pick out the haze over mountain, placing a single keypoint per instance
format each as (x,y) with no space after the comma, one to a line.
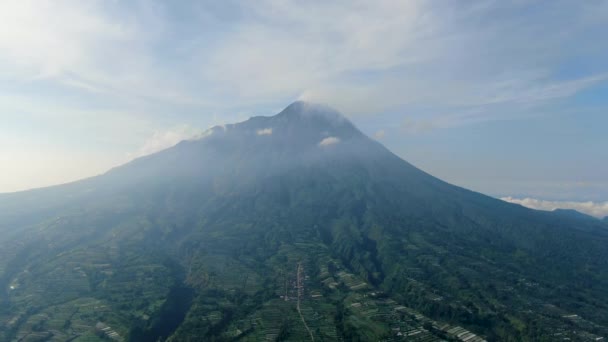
(295,226)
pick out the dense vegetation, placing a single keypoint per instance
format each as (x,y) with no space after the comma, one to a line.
(241,236)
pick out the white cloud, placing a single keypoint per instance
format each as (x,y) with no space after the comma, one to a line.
(90,46)
(380,134)
(265,131)
(51,38)
(359,56)
(364,57)
(163,140)
(597,209)
(310,43)
(329,141)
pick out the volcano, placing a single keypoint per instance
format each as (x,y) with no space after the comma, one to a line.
(292,227)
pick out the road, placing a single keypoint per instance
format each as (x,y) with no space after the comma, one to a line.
(300,284)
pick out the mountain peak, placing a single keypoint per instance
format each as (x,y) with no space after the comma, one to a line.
(305,109)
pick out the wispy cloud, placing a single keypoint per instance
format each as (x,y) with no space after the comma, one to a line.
(56,38)
(169,138)
(597,209)
(372,57)
(265,131)
(359,56)
(329,141)
(90,46)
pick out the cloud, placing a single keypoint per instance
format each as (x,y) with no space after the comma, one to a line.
(380,134)
(361,57)
(92,47)
(163,140)
(597,209)
(145,66)
(265,131)
(329,141)
(49,38)
(367,58)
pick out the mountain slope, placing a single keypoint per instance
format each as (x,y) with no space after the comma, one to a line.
(289,226)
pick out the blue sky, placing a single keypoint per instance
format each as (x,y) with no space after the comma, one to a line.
(508,98)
